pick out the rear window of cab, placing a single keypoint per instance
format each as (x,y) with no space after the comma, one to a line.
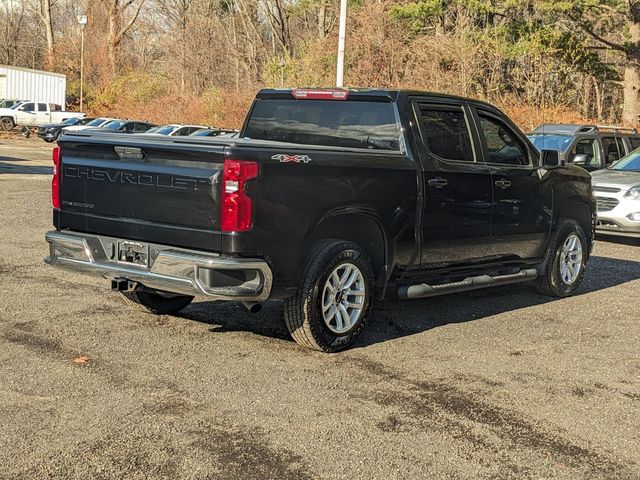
(346,124)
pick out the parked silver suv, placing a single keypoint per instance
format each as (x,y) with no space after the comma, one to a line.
(617,191)
(591,147)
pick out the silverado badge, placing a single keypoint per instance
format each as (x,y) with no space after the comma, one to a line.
(284,158)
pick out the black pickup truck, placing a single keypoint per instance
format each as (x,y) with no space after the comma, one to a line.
(328,199)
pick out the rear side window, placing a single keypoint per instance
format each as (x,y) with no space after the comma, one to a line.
(348,124)
(611,152)
(446,133)
(635,142)
(42,107)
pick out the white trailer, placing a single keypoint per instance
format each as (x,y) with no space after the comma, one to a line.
(24,84)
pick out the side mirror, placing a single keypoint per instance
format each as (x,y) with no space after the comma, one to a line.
(551,158)
(580,159)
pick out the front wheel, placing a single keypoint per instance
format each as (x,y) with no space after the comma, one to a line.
(159,303)
(331,307)
(6,124)
(567,260)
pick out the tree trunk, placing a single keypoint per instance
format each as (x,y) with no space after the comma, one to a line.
(322,19)
(631,107)
(114,41)
(51,58)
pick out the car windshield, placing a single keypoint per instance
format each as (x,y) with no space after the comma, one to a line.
(549,141)
(166,130)
(630,163)
(15,105)
(96,122)
(71,121)
(115,124)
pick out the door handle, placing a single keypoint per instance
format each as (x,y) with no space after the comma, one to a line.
(438,182)
(502,183)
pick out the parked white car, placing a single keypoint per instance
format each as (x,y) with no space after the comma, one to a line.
(34,114)
(175,130)
(95,123)
(617,192)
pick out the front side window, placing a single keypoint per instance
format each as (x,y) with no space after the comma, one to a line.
(446,133)
(585,152)
(611,152)
(347,124)
(503,146)
(28,107)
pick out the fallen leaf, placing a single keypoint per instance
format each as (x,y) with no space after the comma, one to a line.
(81,360)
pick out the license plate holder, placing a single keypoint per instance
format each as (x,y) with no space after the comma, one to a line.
(133,253)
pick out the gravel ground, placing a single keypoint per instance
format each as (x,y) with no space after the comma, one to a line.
(498,383)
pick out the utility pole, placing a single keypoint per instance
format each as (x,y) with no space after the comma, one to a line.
(342,30)
(82,20)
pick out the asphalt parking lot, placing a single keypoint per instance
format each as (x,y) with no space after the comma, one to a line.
(498,383)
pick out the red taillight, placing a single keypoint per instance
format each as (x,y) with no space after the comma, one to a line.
(301,94)
(55,181)
(236,205)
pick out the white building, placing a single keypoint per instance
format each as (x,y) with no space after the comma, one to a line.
(24,84)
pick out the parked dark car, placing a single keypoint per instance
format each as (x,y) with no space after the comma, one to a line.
(175,130)
(213,132)
(51,132)
(591,147)
(328,199)
(123,126)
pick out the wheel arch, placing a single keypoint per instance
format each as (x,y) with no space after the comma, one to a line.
(580,211)
(361,226)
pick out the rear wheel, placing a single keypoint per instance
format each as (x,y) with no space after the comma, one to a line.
(159,303)
(6,124)
(567,261)
(331,307)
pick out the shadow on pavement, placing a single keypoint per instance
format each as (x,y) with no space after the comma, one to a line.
(7,165)
(631,241)
(394,319)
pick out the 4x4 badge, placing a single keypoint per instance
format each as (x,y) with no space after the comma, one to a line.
(284,158)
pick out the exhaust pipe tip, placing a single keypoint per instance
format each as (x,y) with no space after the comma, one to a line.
(253,307)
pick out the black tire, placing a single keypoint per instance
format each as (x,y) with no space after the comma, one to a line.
(6,124)
(303,311)
(158,303)
(551,282)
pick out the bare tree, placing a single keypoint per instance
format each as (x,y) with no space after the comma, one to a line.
(43,9)
(119,25)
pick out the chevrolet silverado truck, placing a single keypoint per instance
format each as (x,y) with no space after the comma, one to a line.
(329,200)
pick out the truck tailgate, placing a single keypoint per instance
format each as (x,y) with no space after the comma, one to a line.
(147,189)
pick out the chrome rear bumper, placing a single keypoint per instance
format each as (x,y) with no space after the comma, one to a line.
(170,269)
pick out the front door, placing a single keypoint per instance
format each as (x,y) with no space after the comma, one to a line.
(457,189)
(521,213)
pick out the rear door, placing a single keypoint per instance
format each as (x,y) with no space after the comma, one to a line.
(456,223)
(611,149)
(521,213)
(42,115)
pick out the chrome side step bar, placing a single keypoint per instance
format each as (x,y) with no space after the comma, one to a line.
(407,292)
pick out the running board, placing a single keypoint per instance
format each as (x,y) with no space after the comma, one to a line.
(423,290)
